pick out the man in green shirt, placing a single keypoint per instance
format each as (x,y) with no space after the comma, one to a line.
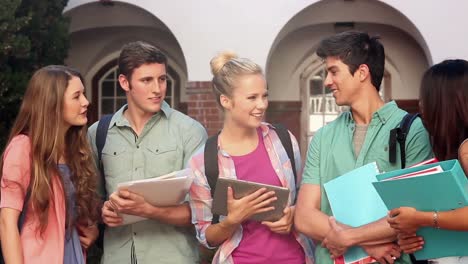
(146,139)
(355,67)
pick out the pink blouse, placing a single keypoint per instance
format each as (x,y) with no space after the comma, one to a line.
(48,247)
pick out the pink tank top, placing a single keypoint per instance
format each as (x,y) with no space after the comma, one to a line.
(259,244)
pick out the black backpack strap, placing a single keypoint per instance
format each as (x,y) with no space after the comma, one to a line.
(404,130)
(101,136)
(399,135)
(211,167)
(285,139)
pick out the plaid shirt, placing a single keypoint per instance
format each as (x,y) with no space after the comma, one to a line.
(201,200)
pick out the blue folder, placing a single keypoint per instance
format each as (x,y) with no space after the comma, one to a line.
(355,202)
(442,191)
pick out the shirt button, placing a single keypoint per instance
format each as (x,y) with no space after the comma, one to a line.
(268,149)
(277,170)
(138,147)
(134,233)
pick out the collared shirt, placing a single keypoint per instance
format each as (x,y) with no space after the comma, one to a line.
(201,200)
(331,153)
(166,143)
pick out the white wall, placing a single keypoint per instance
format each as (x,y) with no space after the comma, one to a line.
(205,27)
(291,57)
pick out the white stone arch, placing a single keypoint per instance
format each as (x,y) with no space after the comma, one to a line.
(98,33)
(294,47)
(331,11)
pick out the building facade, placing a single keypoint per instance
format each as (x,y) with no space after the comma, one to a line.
(280,35)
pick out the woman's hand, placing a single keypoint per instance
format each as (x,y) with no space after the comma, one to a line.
(242,209)
(88,234)
(404,220)
(284,225)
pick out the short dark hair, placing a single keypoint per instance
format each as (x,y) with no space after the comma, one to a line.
(355,48)
(444,106)
(135,54)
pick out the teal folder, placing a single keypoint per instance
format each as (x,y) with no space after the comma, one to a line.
(441,191)
(355,202)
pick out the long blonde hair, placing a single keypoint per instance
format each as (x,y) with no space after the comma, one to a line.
(40,118)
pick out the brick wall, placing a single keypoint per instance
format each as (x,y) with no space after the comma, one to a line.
(201,105)
(410,106)
(287,113)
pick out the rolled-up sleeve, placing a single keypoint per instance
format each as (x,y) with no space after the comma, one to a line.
(16,173)
(200,198)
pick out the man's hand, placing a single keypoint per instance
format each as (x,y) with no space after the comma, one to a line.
(335,240)
(109,216)
(88,234)
(284,225)
(384,253)
(404,220)
(126,202)
(410,243)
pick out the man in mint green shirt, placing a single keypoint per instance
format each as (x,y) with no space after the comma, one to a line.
(355,67)
(146,138)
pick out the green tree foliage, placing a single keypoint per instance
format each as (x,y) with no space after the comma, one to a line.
(33,33)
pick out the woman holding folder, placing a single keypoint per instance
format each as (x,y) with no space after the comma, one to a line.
(248,149)
(48,181)
(444,107)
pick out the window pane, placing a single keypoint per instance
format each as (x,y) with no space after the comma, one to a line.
(120,91)
(316,85)
(107,88)
(120,103)
(107,106)
(169,88)
(168,100)
(110,76)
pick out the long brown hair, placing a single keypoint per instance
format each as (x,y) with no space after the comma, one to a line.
(40,118)
(444,105)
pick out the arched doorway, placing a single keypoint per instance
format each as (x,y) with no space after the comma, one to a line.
(294,73)
(97,35)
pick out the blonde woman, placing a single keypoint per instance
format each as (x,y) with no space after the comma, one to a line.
(248,149)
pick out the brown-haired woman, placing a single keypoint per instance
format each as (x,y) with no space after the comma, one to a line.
(48,157)
(444,106)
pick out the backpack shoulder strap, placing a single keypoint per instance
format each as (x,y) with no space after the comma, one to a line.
(101,136)
(285,139)
(211,167)
(399,135)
